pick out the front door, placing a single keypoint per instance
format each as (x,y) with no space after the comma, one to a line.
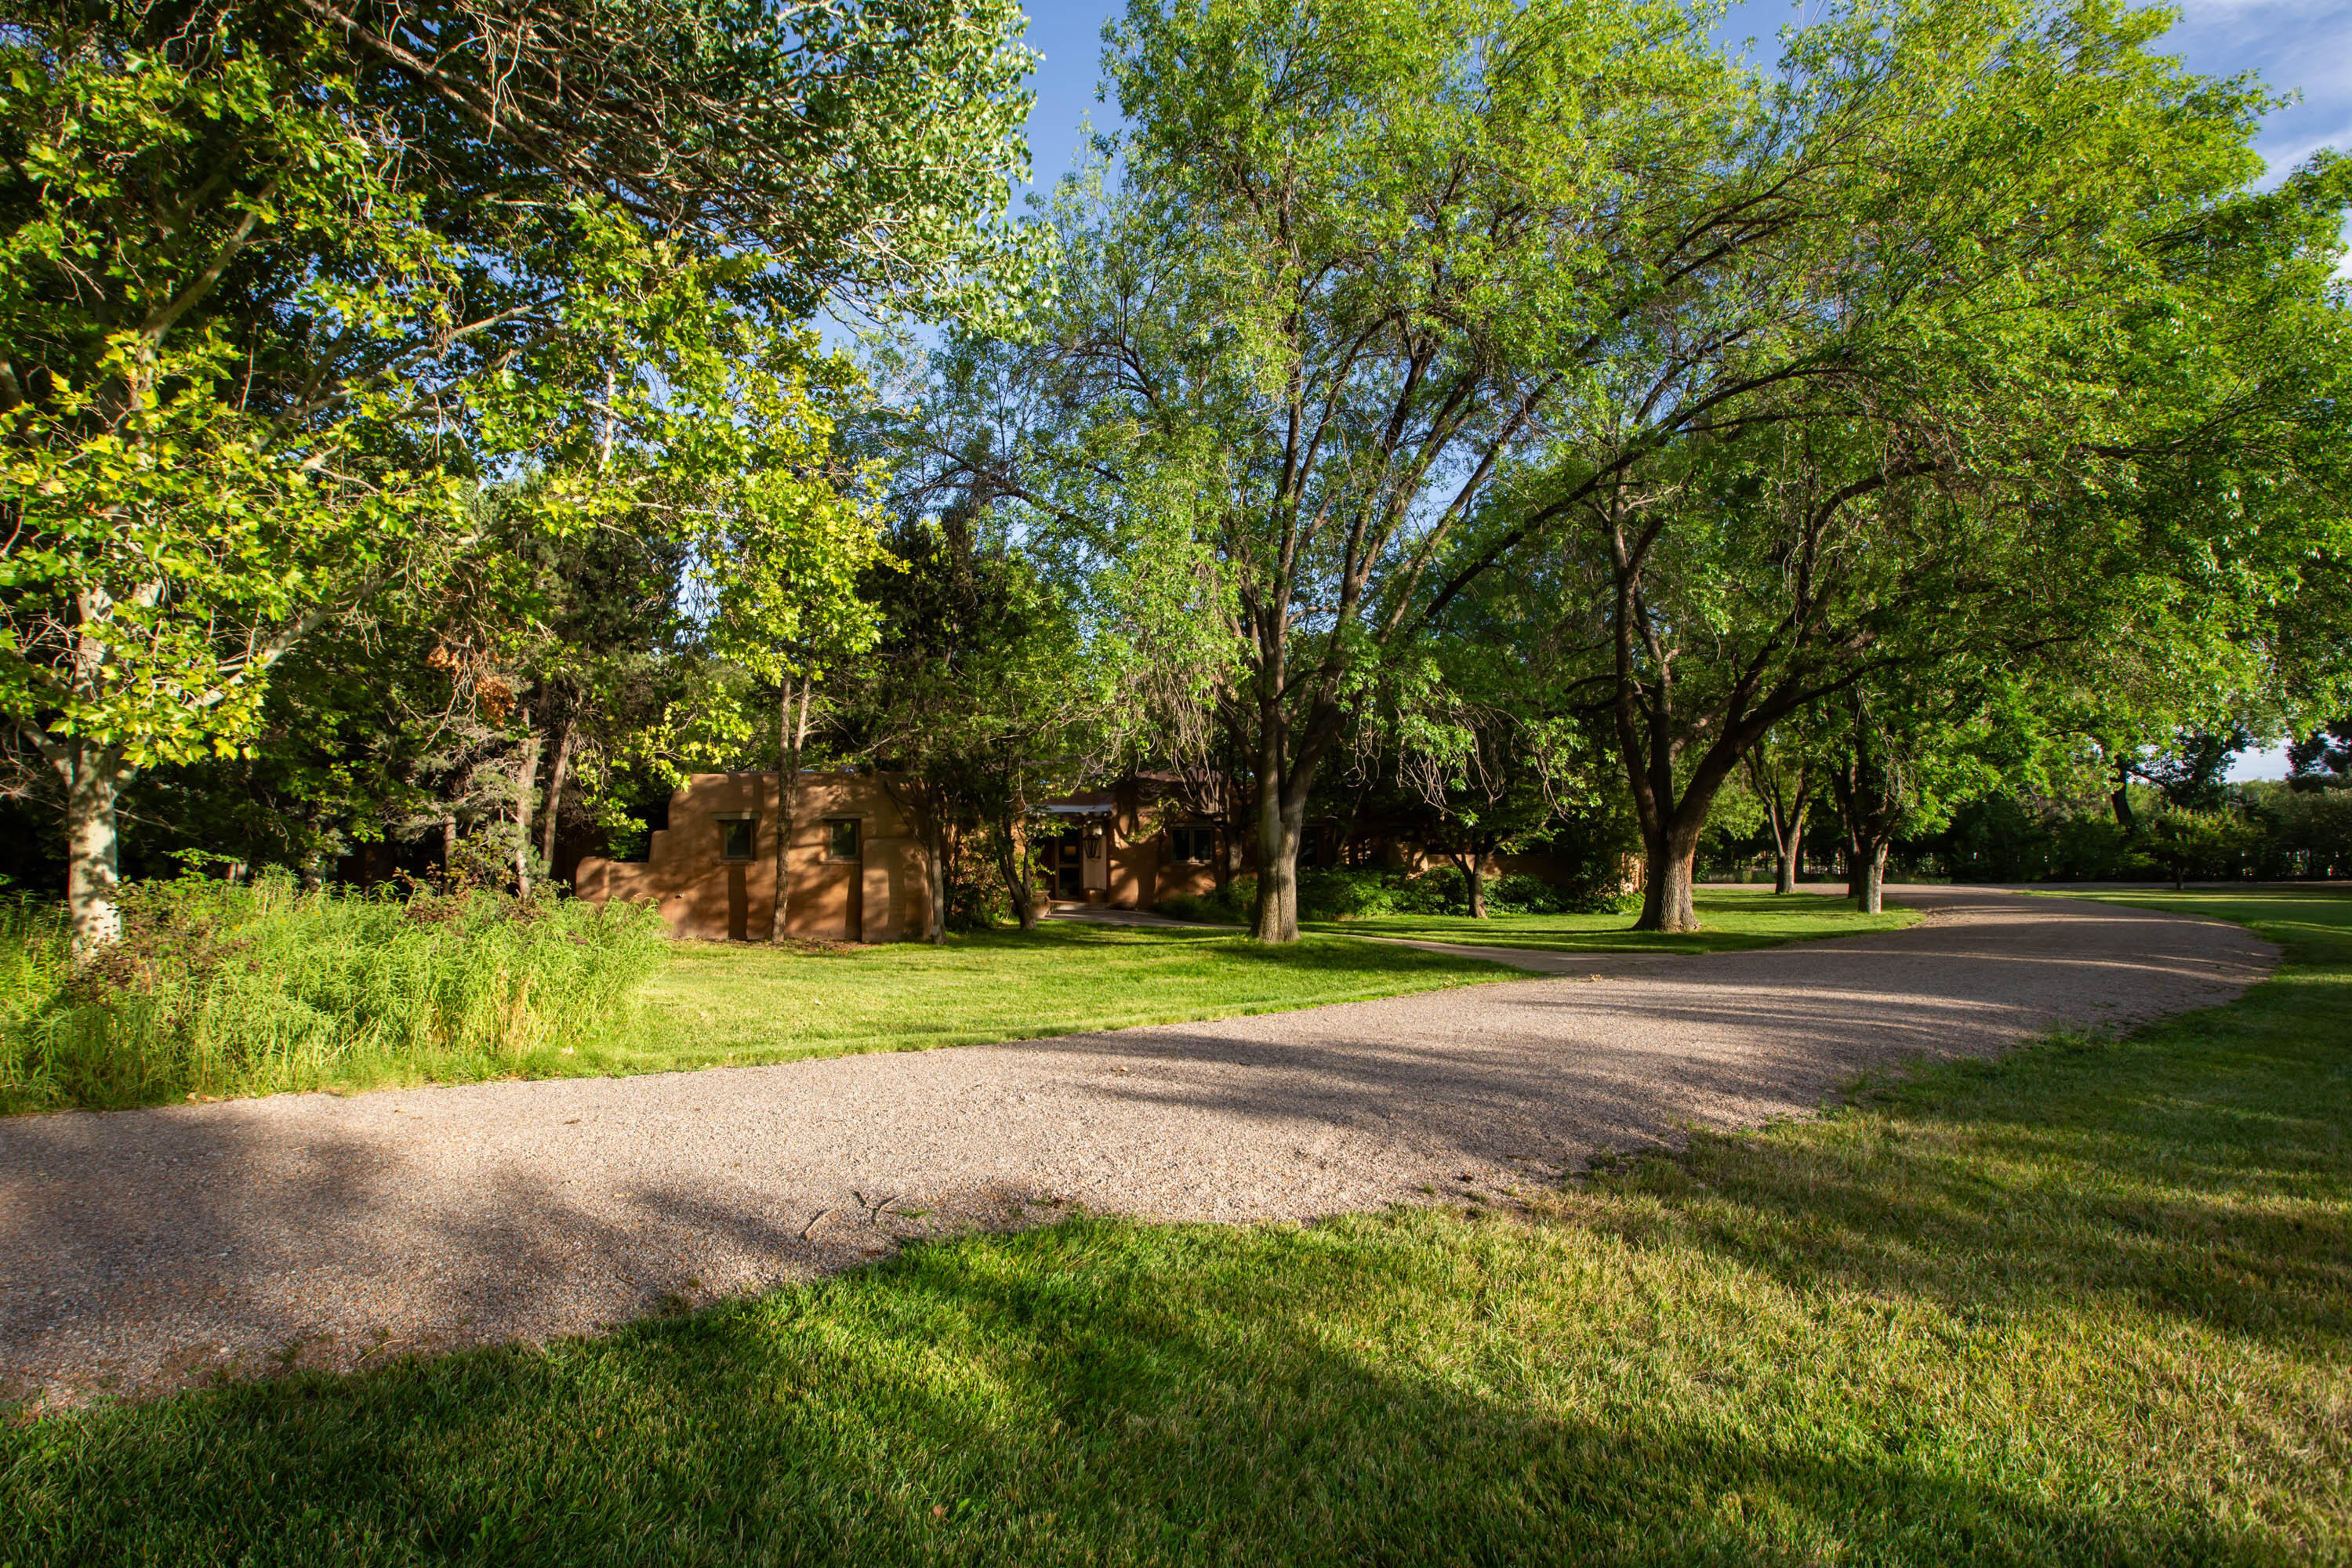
(845,853)
(1070,865)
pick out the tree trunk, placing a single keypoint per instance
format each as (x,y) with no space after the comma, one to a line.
(94,777)
(1019,886)
(2119,799)
(1783,812)
(1670,826)
(1669,849)
(1473,882)
(1793,854)
(1668,885)
(526,787)
(559,772)
(1280,829)
(791,736)
(449,849)
(935,851)
(1870,874)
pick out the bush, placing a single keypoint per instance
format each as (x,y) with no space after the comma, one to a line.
(1229,905)
(2207,845)
(220,989)
(1523,895)
(977,898)
(1358,895)
(1322,896)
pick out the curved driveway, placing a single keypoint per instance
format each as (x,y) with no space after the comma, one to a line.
(147,1248)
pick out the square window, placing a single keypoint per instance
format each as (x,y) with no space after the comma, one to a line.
(1192,846)
(736,838)
(844,844)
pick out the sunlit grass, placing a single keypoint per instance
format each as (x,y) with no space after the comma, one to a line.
(729,1003)
(1729,919)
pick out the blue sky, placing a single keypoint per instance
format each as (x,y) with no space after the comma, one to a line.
(2299,46)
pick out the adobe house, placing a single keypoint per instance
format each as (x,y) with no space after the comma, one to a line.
(1132,846)
(857,866)
(859,871)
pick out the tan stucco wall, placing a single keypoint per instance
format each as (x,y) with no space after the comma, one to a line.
(884,896)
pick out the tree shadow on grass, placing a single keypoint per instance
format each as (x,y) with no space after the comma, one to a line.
(2198,1170)
(1093,1392)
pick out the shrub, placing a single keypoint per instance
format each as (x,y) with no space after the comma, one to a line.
(977,899)
(1357,895)
(220,989)
(2202,843)
(1524,895)
(1322,896)
(1229,905)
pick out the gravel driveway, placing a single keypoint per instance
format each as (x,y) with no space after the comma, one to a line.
(148,1249)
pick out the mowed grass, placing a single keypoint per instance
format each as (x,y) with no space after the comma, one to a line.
(1729,919)
(720,1003)
(2089,1305)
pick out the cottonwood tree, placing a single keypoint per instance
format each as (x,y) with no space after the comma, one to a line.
(270,271)
(1908,425)
(1485,792)
(1354,253)
(1472,732)
(1903,752)
(1784,770)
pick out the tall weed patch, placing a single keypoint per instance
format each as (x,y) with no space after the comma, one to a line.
(220,990)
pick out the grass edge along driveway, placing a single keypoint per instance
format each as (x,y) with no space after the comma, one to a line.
(734,1005)
(2088,1304)
(1730,919)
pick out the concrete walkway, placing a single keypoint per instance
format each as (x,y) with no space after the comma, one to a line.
(148,1249)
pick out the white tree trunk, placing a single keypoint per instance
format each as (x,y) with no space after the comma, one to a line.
(791,735)
(526,787)
(94,777)
(558,772)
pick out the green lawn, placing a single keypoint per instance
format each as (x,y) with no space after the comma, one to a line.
(1729,918)
(715,1002)
(2091,1305)
(718,1003)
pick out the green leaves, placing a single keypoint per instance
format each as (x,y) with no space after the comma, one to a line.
(280,302)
